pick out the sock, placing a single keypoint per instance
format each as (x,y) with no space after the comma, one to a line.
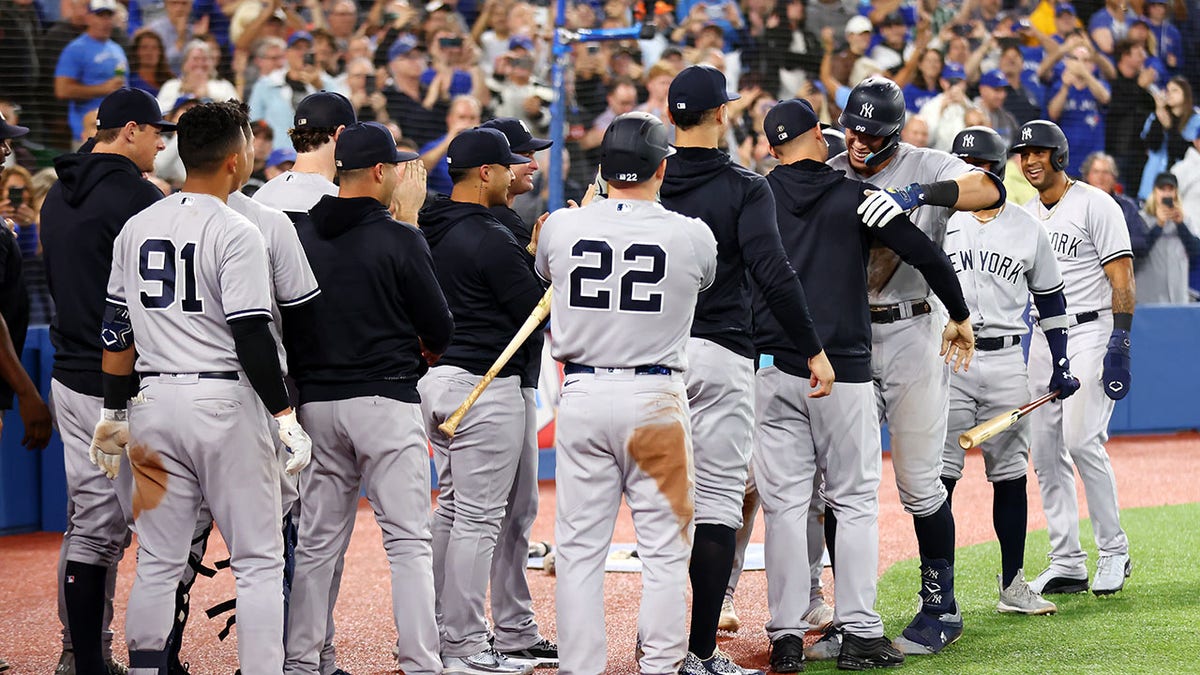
(830,534)
(83,588)
(713,549)
(935,534)
(1010,510)
(949,483)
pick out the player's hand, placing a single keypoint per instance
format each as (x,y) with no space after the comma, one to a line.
(410,191)
(36,417)
(537,232)
(881,206)
(110,439)
(593,191)
(822,375)
(430,357)
(958,344)
(1116,375)
(1062,380)
(297,441)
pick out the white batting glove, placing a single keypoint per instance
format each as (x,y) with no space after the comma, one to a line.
(297,441)
(879,208)
(109,441)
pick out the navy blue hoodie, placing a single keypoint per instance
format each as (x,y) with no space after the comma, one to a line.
(829,245)
(83,213)
(531,352)
(486,278)
(379,295)
(738,207)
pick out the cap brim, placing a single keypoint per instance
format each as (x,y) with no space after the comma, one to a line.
(403,156)
(163,125)
(732,97)
(514,158)
(8,131)
(533,145)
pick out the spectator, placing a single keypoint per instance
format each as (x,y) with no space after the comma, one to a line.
(176,29)
(851,65)
(198,79)
(1110,25)
(454,71)
(693,15)
(71,24)
(275,96)
(92,66)
(369,103)
(658,84)
(278,162)
(1161,275)
(148,69)
(921,78)
(831,14)
(343,21)
(916,131)
(1100,171)
(1169,131)
(406,95)
(622,98)
(464,113)
(993,91)
(1139,34)
(894,49)
(945,112)
(329,58)
(21,28)
(16,207)
(1131,104)
(492,32)
(142,12)
(168,167)
(1076,104)
(253,20)
(781,48)
(516,94)
(1166,35)
(269,56)
(1187,171)
(1024,92)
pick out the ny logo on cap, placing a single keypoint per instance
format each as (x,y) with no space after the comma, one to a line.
(1027,133)
(868,111)
(525,127)
(968,141)
(681,105)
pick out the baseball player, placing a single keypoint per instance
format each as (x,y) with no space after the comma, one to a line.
(798,431)
(1001,256)
(624,267)
(514,624)
(190,288)
(911,380)
(95,195)
(358,359)
(485,276)
(703,182)
(320,118)
(1090,240)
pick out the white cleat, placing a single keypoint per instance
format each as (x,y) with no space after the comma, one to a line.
(819,618)
(1019,598)
(1111,573)
(729,619)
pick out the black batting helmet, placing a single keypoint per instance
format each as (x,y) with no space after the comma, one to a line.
(634,145)
(876,107)
(836,140)
(982,143)
(1044,134)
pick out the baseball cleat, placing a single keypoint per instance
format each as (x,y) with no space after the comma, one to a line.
(1050,582)
(828,647)
(486,662)
(541,654)
(860,653)
(717,664)
(819,618)
(929,634)
(1019,598)
(1111,573)
(4,666)
(787,654)
(729,618)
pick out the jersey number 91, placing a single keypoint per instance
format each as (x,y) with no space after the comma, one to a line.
(162,275)
(590,280)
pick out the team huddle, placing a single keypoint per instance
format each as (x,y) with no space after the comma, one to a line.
(728,341)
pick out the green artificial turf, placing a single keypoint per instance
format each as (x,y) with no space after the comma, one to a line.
(1152,626)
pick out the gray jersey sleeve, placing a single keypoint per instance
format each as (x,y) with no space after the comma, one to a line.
(1108,231)
(1042,275)
(541,261)
(243,273)
(116,275)
(295,283)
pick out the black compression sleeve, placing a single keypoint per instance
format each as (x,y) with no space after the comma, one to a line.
(259,358)
(941,193)
(117,390)
(917,250)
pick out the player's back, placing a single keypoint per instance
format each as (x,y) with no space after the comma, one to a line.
(185,267)
(909,165)
(294,192)
(626,275)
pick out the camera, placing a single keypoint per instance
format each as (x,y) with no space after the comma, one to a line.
(370,84)
(310,59)
(1168,202)
(593,49)
(963,30)
(450,42)
(16,195)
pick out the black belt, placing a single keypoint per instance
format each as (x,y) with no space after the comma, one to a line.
(217,375)
(575,369)
(997,343)
(892,313)
(1084,317)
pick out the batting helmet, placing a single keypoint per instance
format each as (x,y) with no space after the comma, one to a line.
(1044,134)
(982,143)
(634,145)
(836,140)
(876,107)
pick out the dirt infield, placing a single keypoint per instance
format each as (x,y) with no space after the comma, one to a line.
(1151,471)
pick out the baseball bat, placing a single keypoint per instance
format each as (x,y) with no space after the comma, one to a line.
(981,432)
(536,317)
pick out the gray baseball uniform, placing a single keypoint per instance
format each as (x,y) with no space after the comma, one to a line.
(627,275)
(1086,231)
(198,431)
(998,262)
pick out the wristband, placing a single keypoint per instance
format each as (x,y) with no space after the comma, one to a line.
(1122,321)
(941,193)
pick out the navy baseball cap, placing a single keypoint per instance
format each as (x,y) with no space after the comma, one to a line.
(1064,8)
(298,36)
(788,120)
(402,46)
(1166,179)
(127,105)
(324,110)
(518,134)
(953,72)
(893,19)
(366,144)
(520,42)
(480,146)
(8,131)
(699,88)
(281,155)
(993,78)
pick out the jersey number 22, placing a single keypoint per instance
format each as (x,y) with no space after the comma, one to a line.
(599,255)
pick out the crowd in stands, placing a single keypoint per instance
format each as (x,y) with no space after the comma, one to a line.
(1115,75)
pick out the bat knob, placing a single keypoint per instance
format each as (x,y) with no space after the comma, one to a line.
(448,428)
